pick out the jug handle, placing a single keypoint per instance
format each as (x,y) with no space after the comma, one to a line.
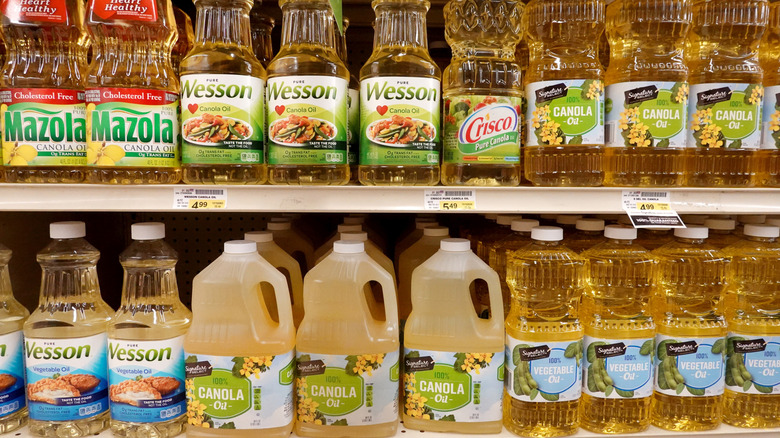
(282,294)
(388,291)
(494,293)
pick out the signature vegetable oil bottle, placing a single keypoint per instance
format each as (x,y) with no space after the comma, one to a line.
(727,92)
(565,92)
(520,237)
(185,39)
(13,315)
(647,93)
(261,25)
(769,55)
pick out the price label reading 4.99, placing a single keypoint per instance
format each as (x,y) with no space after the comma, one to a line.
(651,209)
(199,199)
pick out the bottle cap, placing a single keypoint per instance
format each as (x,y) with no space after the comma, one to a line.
(547,234)
(348,247)
(424,225)
(761,230)
(354,236)
(773,221)
(693,219)
(720,224)
(352,220)
(548,217)
(278,226)
(348,228)
(524,225)
(620,232)
(751,218)
(240,247)
(147,231)
(506,219)
(590,224)
(67,230)
(567,219)
(436,231)
(259,236)
(692,232)
(455,245)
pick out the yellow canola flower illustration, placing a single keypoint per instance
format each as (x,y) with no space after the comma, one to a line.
(756,96)
(682,93)
(367,363)
(15,154)
(476,361)
(104,155)
(595,90)
(255,365)
(414,403)
(306,410)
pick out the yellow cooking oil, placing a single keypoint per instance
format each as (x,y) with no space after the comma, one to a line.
(410,259)
(353,105)
(308,86)
(520,237)
(721,232)
(647,93)
(261,27)
(564,86)
(544,337)
(482,94)
(13,316)
(726,92)
(769,55)
(185,40)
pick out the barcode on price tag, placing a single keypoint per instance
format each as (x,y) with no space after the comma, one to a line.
(651,209)
(450,200)
(199,199)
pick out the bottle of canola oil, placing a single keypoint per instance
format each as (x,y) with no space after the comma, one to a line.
(261,26)
(13,315)
(588,233)
(769,55)
(520,237)
(185,39)
(353,106)
(410,259)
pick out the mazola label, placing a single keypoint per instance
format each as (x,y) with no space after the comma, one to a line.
(647,114)
(482,129)
(568,112)
(133,10)
(725,116)
(689,367)
(12,397)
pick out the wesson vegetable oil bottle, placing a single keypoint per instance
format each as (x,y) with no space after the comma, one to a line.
(565,92)
(239,361)
(308,85)
(690,331)
(222,100)
(261,25)
(400,99)
(752,397)
(453,359)
(647,93)
(727,92)
(42,92)
(347,358)
(482,94)
(544,337)
(65,340)
(145,341)
(769,55)
(132,94)
(13,316)
(619,334)
(353,106)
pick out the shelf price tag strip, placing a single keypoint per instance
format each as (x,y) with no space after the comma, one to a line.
(651,209)
(450,200)
(199,199)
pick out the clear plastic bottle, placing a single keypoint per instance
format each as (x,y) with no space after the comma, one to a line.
(721,232)
(145,341)
(653,238)
(294,243)
(261,26)
(353,106)
(769,56)
(589,233)
(619,334)
(13,316)
(520,237)
(185,39)
(565,91)
(544,337)
(410,259)
(495,234)
(370,247)
(71,318)
(482,94)
(327,247)
(413,237)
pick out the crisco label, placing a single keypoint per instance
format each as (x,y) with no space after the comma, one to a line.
(482,129)
(353,390)
(43,127)
(11,373)
(618,368)
(307,120)
(399,120)
(66,377)
(647,114)
(353,135)
(134,10)
(724,115)
(569,112)
(132,127)
(253,392)
(688,367)
(35,11)
(222,119)
(146,380)
(447,386)
(548,372)
(771,114)
(753,363)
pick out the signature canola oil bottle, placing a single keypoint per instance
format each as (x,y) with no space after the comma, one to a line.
(769,55)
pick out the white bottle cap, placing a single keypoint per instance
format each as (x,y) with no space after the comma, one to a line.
(760,230)
(348,247)
(590,224)
(693,219)
(280,220)
(620,232)
(436,231)
(259,236)
(773,221)
(455,245)
(424,225)
(278,226)
(351,220)
(547,234)
(506,219)
(720,224)
(567,219)
(348,228)
(147,231)
(751,218)
(692,232)
(354,236)
(491,217)
(67,230)
(240,247)
(524,225)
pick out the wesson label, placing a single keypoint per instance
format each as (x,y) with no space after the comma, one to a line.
(567,112)
(352,390)
(132,127)
(43,127)
(252,392)
(449,386)
(353,135)
(618,368)
(753,363)
(548,372)
(12,368)
(399,121)
(689,366)
(771,115)
(482,129)
(146,380)
(307,120)
(647,114)
(66,377)
(35,11)
(134,10)
(223,118)
(723,115)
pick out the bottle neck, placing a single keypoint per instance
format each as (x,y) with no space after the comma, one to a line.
(146,285)
(6,292)
(70,284)
(400,26)
(761,239)
(308,22)
(690,241)
(547,243)
(621,242)
(462,51)
(225,23)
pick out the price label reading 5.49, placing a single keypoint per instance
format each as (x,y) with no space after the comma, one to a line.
(450,200)
(457,205)
(199,199)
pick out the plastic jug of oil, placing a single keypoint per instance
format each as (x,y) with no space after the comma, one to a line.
(410,259)
(721,232)
(588,233)
(294,243)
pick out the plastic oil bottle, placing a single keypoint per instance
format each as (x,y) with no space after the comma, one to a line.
(690,334)
(294,243)
(465,380)
(308,86)
(145,341)
(234,346)
(400,99)
(544,337)
(654,238)
(370,247)
(565,91)
(769,55)
(347,357)
(482,94)
(589,233)
(410,259)
(520,237)
(619,334)
(327,247)
(13,316)
(353,106)
(647,93)
(727,92)
(185,39)
(494,235)
(131,84)
(43,80)
(410,239)
(261,26)
(752,397)
(71,316)
(721,232)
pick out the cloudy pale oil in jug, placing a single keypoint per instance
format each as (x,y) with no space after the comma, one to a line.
(769,55)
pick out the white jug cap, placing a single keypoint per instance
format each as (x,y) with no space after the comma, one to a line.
(354,236)
(692,232)
(620,232)
(506,219)
(757,230)
(590,224)
(524,225)
(548,234)
(353,220)
(424,225)
(67,230)
(278,226)
(720,224)
(751,218)
(567,219)
(259,236)
(436,231)
(455,245)
(147,231)
(348,247)
(240,247)
(773,221)
(346,228)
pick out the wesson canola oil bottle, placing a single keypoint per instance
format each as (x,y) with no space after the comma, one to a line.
(353,105)
(13,315)
(261,25)
(185,39)
(769,55)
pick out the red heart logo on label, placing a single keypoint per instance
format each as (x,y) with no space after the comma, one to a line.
(279,109)
(381,109)
(192,107)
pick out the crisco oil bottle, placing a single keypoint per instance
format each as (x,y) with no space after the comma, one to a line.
(308,86)
(261,25)
(647,93)
(721,232)
(544,337)
(565,91)
(65,340)
(132,106)
(353,106)
(453,358)
(400,98)
(690,344)
(410,259)
(619,334)
(185,39)
(347,371)
(13,316)
(769,55)
(42,83)
(294,243)
(482,117)
(145,341)
(520,237)
(727,92)
(588,233)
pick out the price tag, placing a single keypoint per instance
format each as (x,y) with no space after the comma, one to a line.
(651,209)
(199,199)
(450,200)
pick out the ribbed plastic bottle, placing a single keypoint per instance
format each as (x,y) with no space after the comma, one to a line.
(13,315)
(769,56)
(653,238)
(520,237)
(261,26)
(185,40)
(353,105)
(410,259)
(294,243)
(494,235)
(721,232)
(588,233)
